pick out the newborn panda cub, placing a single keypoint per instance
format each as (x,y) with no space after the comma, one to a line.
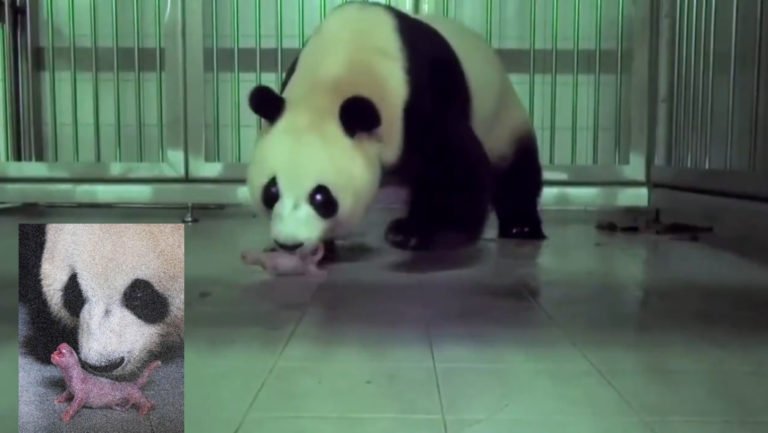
(87,390)
(279,263)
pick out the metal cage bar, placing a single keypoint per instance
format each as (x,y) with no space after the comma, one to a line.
(575,95)
(596,109)
(116,80)
(715,144)
(732,86)
(52,83)
(7,89)
(753,145)
(698,138)
(689,143)
(30,100)
(619,80)
(216,101)
(137,77)
(95,79)
(532,56)
(710,85)
(553,95)
(236,79)
(73,82)
(159,74)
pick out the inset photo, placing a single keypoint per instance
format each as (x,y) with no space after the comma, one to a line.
(101,328)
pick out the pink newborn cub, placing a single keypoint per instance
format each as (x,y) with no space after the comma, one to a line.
(282,263)
(87,390)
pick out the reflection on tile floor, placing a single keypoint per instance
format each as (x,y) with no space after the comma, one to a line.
(587,332)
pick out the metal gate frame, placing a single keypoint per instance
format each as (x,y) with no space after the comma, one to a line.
(639,81)
(189,178)
(174,167)
(668,169)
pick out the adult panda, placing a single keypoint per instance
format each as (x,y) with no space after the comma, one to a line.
(115,292)
(374,91)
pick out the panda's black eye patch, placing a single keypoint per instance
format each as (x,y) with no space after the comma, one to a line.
(143,300)
(323,202)
(270,193)
(73,298)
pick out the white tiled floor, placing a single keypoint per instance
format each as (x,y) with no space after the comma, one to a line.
(587,333)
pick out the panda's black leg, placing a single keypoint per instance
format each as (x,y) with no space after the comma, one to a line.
(516,192)
(450,193)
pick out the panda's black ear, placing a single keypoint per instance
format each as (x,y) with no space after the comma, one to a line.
(266,103)
(359,114)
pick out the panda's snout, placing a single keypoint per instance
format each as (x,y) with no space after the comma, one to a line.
(109,367)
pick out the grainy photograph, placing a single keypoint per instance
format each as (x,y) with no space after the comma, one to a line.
(101,326)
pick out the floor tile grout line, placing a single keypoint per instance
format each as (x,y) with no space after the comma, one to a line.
(599,371)
(437,377)
(276,361)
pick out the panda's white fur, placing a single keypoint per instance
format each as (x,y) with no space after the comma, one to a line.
(106,259)
(358,50)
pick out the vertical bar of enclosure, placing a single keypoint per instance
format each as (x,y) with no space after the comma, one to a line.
(323,9)
(116,79)
(257,19)
(301,23)
(598,50)
(137,78)
(279,36)
(532,71)
(690,127)
(73,82)
(681,87)
(700,106)
(575,107)
(488,20)
(159,77)
(236,79)
(619,80)
(30,84)
(553,100)
(732,86)
(756,89)
(52,84)
(710,70)
(7,87)
(215,41)
(95,81)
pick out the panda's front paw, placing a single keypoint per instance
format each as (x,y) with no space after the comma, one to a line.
(530,232)
(405,235)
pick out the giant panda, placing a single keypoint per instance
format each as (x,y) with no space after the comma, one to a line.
(375,92)
(115,292)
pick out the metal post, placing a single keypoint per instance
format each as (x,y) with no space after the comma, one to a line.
(732,86)
(598,49)
(189,217)
(553,100)
(95,79)
(575,95)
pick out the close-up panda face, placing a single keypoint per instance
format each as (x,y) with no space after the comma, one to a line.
(121,286)
(314,177)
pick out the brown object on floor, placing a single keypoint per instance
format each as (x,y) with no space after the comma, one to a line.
(676,228)
(607,226)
